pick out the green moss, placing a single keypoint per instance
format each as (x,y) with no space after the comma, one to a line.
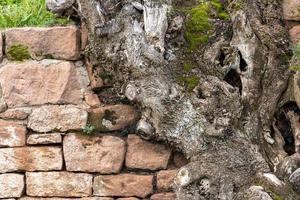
(199,26)
(187,66)
(189,82)
(18,52)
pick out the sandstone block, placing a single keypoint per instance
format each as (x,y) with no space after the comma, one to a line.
(104,154)
(49,138)
(12,134)
(290,9)
(94,76)
(295,35)
(142,154)
(58,184)
(11,185)
(59,118)
(179,160)
(92,99)
(130,198)
(1,46)
(36,83)
(57,198)
(16,113)
(165,179)
(51,42)
(111,118)
(163,196)
(123,185)
(30,159)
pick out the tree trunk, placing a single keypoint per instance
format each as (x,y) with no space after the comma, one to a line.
(209,78)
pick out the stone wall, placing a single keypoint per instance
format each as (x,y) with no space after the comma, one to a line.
(48,110)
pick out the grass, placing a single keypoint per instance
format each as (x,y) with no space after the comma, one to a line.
(23,13)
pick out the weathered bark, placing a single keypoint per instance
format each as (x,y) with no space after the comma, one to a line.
(226,124)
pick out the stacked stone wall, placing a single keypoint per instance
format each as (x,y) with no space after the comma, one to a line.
(57,140)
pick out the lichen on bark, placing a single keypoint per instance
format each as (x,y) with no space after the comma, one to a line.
(224,122)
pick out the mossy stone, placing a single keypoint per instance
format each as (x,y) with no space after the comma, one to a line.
(18,52)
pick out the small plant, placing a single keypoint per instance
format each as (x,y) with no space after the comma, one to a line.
(18,52)
(21,13)
(89,129)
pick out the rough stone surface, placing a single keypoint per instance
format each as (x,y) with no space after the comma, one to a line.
(12,134)
(92,99)
(124,185)
(145,155)
(36,83)
(179,160)
(104,154)
(1,46)
(49,138)
(59,6)
(55,42)
(56,198)
(93,73)
(290,9)
(58,184)
(111,118)
(295,34)
(11,185)
(163,196)
(129,198)
(61,118)
(30,159)
(165,179)
(16,113)
(84,36)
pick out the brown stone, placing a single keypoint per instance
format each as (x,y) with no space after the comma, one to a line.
(163,196)
(130,198)
(94,76)
(58,184)
(30,159)
(84,36)
(104,154)
(165,179)
(36,83)
(295,35)
(56,198)
(49,138)
(145,155)
(12,134)
(1,46)
(16,113)
(112,118)
(92,99)
(54,42)
(59,118)
(297,87)
(291,9)
(123,185)
(11,185)
(179,160)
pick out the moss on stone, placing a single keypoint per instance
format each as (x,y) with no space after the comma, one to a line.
(190,82)
(199,26)
(18,52)
(187,66)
